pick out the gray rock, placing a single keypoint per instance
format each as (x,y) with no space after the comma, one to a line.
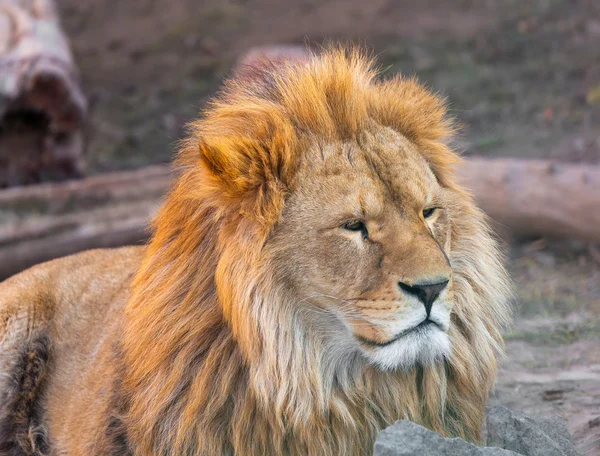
(517,432)
(405,438)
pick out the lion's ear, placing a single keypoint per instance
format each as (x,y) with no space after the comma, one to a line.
(228,162)
(254,170)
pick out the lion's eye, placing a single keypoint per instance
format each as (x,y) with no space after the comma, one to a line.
(429,212)
(357,225)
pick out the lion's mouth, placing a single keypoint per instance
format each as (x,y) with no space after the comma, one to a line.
(421,327)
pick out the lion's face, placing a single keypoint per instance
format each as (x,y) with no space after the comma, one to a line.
(363,244)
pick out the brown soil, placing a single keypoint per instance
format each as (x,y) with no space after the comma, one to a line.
(522,76)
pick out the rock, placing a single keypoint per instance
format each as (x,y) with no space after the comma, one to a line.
(405,438)
(516,432)
(274,53)
(509,433)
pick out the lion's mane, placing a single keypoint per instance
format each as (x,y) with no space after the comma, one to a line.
(215,360)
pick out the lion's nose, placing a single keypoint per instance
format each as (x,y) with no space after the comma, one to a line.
(426,292)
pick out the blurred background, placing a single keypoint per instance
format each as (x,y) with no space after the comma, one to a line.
(94,95)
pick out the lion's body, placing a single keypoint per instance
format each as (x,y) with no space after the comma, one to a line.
(59,324)
(212,340)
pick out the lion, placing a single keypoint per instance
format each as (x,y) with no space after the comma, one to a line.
(315,273)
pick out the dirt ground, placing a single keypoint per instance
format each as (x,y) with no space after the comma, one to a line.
(523,77)
(553,351)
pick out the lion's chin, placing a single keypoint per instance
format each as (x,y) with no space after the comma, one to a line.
(428,346)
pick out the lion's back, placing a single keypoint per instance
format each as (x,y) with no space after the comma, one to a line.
(55,319)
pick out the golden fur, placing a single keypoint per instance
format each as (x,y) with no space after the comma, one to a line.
(228,343)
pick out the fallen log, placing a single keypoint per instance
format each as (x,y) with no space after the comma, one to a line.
(48,239)
(537,198)
(84,194)
(42,107)
(46,221)
(37,223)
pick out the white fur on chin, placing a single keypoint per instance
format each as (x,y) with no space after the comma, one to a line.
(426,346)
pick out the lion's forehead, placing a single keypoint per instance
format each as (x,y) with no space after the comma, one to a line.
(376,169)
